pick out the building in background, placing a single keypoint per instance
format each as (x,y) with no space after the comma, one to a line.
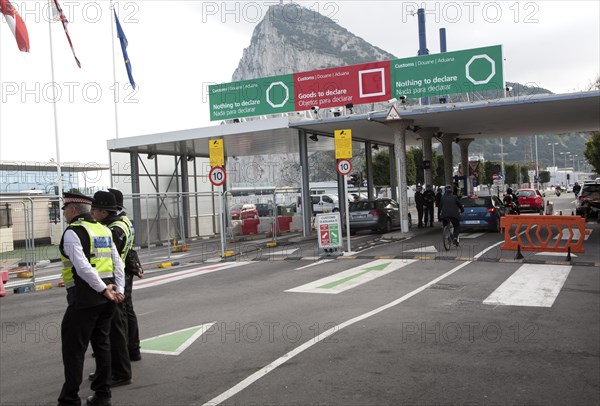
(41,177)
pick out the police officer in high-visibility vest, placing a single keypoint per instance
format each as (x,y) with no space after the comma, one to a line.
(104,210)
(132,322)
(94,280)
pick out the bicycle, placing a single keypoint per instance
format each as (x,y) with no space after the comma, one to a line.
(447,235)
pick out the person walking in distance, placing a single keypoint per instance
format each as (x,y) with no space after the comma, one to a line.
(104,210)
(429,198)
(451,210)
(133,332)
(94,280)
(420,203)
(438,203)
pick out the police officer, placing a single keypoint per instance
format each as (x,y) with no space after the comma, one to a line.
(429,198)
(93,276)
(132,322)
(420,203)
(576,188)
(104,210)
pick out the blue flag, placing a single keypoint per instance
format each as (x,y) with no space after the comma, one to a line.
(124,44)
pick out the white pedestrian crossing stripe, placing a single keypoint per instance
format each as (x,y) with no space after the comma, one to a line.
(554,254)
(471,235)
(423,250)
(352,278)
(531,285)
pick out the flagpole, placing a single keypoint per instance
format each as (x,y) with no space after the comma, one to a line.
(115,86)
(56,137)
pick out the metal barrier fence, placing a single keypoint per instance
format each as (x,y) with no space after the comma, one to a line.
(30,227)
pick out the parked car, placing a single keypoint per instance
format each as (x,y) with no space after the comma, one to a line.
(482,212)
(530,200)
(380,215)
(588,202)
(243,211)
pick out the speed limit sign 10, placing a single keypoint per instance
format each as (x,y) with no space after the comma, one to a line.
(344,166)
(217,175)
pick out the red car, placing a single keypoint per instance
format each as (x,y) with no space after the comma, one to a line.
(530,200)
(243,212)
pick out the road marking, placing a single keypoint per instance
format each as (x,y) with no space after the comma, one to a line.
(283,252)
(189,273)
(554,254)
(471,235)
(174,256)
(173,343)
(353,277)
(531,285)
(327,333)
(429,248)
(322,261)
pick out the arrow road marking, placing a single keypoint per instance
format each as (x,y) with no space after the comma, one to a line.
(351,278)
(173,343)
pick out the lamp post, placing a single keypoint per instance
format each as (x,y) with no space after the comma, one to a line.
(553,155)
(565,154)
(554,159)
(574,156)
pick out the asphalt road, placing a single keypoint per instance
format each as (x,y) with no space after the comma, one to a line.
(398,322)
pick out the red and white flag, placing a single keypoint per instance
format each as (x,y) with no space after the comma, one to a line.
(16,24)
(60,15)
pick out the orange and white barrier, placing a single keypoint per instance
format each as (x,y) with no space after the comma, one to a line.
(544,233)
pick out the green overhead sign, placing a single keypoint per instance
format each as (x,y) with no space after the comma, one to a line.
(471,70)
(255,97)
(448,73)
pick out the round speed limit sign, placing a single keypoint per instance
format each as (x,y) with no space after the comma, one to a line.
(344,166)
(217,175)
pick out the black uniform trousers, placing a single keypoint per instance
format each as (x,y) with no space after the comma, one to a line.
(79,327)
(121,365)
(420,214)
(428,217)
(133,332)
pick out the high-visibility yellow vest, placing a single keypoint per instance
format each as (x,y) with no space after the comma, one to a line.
(127,229)
(100,252)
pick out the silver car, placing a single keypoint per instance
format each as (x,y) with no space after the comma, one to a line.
(376,214)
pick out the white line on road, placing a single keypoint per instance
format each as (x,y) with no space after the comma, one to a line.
(531,285)
(188,273)
(286,357)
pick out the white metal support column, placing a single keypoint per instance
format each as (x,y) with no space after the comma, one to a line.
(399,128)
(463,143)
(447,140)
(426,136)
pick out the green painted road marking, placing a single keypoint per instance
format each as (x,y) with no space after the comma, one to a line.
(173,343)
(354,277)
(347,278)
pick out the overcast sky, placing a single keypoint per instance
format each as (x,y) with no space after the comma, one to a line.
(178,48)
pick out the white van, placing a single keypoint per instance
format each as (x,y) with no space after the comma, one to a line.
(325,203)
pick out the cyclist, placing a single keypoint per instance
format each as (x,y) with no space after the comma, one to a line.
(451,209)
